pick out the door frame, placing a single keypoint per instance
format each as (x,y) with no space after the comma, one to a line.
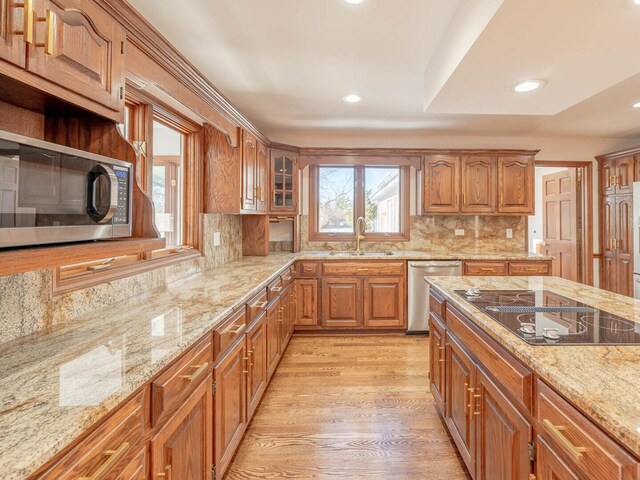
(586,167)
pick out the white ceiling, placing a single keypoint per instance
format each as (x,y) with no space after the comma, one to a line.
(434,67)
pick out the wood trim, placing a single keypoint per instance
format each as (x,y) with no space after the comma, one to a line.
(405,207)
(620,153)
(313,151)
(562,163)
(397,161)
(283,146)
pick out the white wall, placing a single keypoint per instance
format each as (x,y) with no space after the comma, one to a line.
(535,221)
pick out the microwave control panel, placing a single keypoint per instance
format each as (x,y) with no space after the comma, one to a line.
(121,217)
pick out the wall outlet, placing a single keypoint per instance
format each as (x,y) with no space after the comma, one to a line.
(217,240)
(509,233)
(459,232)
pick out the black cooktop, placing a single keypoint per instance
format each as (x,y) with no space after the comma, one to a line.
(541,317)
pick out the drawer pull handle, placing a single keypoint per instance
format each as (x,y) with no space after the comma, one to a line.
(276,289)
(556,430)
(27,29)
(363,269)
(114,457)
(262,305)
(166,474)
(197,373)
(239,329)
(49,20)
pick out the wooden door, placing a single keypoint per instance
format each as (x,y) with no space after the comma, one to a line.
(515,185)
(183,447)
(441,184)
(437,359)
(230,420)
(384,301)
(342,303)
(249,162)
(13,46)
(624,175)
(306,303)
(257,354)
(549,465)
(262,177)
(273,337)
(608,175)
(624,245)
(608,228)
(83,50)
(560,199)
(460,381)
(478,185)
(504,434)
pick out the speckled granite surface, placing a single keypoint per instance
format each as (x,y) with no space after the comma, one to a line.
(432,254)
(56,383)
(603,381)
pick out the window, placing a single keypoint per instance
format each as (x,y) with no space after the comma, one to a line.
(341,194)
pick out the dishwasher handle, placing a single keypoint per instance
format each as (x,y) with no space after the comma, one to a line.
(425,265)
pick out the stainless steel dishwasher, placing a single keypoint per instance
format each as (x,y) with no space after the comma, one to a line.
(419,290)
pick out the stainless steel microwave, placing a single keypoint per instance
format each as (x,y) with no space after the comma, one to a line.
(54,194)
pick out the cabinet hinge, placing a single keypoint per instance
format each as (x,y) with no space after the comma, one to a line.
(213,470)
(532,452)
(214,387)
(122,47)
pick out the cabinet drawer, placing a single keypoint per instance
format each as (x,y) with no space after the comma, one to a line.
(287,277)
(485,268)
(363,268)
(256,305)
(529,268)
(180,379)
(514,377)
(229,332)
(579,441)
(437,304)
(274,288)
(308,269)
(110,449)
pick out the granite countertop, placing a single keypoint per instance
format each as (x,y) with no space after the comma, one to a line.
(433,254)
(602,381)
(55,384)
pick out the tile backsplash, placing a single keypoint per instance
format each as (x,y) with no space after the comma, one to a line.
(27,303)
(438,232)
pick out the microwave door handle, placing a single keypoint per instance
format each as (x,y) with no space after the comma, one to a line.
(97,171)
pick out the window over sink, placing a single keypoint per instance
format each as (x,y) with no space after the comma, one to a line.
(339,194)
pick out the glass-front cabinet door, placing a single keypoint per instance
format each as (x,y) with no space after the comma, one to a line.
(284,182)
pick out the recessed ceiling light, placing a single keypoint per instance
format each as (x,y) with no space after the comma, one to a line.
(637,2)
(352,98)
(528,86)
(636,105)
(356,2)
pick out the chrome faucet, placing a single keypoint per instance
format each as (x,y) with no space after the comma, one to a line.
(361,227)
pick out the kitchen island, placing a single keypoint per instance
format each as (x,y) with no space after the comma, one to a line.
(516,409)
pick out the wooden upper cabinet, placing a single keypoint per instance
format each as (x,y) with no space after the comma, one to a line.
(342,302)
(608,177)
(82,50)
(441,184)
(249,162)
(478,185)
(515,185)
(625,170)
(13,47)
(384,301)
(504,434)
(262,177)
(283,197)
(183,447)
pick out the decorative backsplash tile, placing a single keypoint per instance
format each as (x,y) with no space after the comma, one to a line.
(438,232)
(28,304)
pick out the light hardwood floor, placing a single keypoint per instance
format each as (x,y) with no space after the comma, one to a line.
(352,408)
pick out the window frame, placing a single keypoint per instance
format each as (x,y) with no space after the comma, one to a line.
(359,203)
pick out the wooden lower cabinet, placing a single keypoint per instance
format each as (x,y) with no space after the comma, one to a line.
(306,302)
(460,380)
(550,465)
(504,435)
(183,448)
(437,352)
(273,337)
(384,301)
(257,354)
(230,421)
(285,318)
(341,302)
